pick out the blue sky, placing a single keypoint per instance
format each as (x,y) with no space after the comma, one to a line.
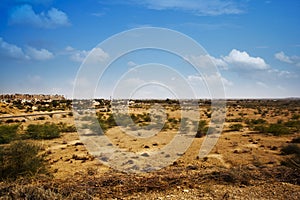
(254,43)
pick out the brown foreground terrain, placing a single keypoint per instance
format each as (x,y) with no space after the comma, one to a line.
(256,157)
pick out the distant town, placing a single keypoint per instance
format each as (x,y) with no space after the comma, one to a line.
(31,97)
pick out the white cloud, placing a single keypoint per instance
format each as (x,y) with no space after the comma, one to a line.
(42,54)
(206,61)
(198,7)
(57,18)
(243,60)
(243,64)
(281,56)
(25,15)
(11,51)
(219,62)
(95,55)
(282,73)
(69,48)
(76,55)
(209,86)
(210,80)
(79,56)
(236,59)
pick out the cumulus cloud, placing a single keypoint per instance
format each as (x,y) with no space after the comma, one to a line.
(79,56)
(235,60)
(11,51)
(210,79)
(206,61)
(69,49)
(282,73)
(198,7)
(42,54)
(25,15)
(281,56)
(95,55)
(243,60)
(76,55)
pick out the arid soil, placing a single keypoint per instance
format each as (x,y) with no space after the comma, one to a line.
(244,164)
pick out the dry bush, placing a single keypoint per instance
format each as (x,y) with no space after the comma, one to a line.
(43,131)
(21,159)
(8,133)
(292,161)
(28,191)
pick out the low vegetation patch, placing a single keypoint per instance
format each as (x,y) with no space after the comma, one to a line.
(202,129)
(63,127)
(43,131)
(236,127)
(276,129)
(292,161)
(21,159)
(8,133)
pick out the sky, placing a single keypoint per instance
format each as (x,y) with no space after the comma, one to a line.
(254,44)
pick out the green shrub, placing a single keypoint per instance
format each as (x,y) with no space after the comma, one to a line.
(66,129)
(147,117)
(236,127)
(111,121)
(234,120)
(260,128)
(274,129)
(43,131)
(8,133)
(278,129)
(21,159)
(202,129)
(105,123)
(255,121)
(294,125)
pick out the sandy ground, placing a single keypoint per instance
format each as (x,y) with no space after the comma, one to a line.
(68,158)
